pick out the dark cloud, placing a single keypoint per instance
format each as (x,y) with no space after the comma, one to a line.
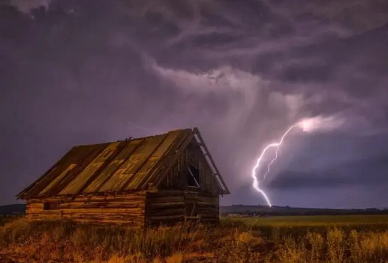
(364,173)
(83,71)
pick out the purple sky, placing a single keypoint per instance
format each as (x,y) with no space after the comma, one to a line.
(90,71)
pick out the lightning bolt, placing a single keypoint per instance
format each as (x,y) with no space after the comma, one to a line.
(258,162)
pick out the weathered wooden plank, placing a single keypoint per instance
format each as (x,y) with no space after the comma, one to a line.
(35,211)
(148,160)
(175,212)
(102,205)
(166,200)
(134,224)
(82,178)
(43,200)
(165,205)
(45,212)
(43,218)
(133,197)
(104,215)
(50,212)
(154,218)
(119,165)
(57,179)
(115,180)
(41,183)
(101,201)
(83,156)
(137,161)
(35,205)
(102,210)
(164,192)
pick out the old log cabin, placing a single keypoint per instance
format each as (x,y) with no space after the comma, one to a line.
(153,180)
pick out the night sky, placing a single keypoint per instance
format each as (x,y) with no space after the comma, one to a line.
(90,71)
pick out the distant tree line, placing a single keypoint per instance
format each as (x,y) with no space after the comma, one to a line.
(288,211)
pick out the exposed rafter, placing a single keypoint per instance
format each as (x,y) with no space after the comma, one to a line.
(209,158)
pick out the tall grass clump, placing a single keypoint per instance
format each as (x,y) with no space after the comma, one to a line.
(335,246)
(87,242)
(4,218)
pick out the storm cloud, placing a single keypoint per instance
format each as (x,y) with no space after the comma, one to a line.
(88,71)
(363,173)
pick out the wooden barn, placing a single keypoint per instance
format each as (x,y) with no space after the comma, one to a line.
(138,182)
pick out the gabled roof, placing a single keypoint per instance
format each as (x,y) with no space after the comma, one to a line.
(117,167)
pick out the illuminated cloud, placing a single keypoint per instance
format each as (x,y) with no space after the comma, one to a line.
(25,6)
(240,91)
(321,123)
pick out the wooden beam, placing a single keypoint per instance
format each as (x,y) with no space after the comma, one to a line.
(196,132)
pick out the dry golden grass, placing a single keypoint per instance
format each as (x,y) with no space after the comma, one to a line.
(24,241)
(8,218)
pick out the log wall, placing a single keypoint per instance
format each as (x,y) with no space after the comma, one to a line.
(169,207)
(135,210)
(164,208)
(121,209)
(208,208)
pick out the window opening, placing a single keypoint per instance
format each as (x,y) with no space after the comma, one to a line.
(50,206)
(193,178)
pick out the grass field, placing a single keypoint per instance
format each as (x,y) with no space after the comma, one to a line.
(271,239)
(7,218)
